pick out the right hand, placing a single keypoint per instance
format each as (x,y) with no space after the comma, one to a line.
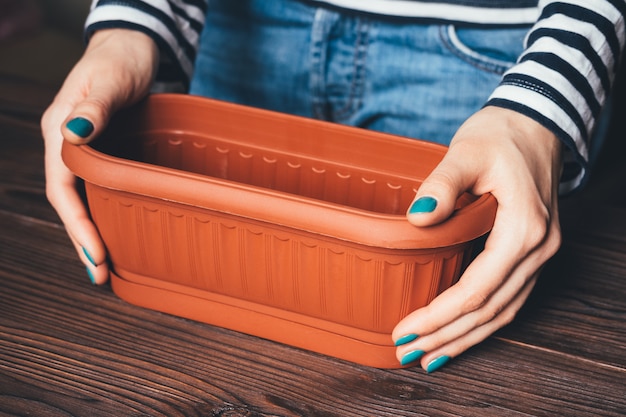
(116,70)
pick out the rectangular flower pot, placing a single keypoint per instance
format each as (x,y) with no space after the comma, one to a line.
(278,226)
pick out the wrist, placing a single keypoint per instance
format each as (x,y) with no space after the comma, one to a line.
(143,45)
(529,134)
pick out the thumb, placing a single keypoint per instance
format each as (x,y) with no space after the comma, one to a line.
(89,117)
(436,198)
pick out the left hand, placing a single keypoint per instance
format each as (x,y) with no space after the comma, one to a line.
(511,156)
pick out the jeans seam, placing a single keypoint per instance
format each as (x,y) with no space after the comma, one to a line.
(358,72)
(318,56)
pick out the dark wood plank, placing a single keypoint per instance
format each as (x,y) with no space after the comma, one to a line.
(68,347)
(22,182)
(578,307)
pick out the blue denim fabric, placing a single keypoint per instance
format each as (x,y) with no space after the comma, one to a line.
(414,80)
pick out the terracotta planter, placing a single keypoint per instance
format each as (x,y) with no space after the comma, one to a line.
(282,227)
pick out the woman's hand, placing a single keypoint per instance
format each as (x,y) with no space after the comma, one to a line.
(116,70)
(509,155)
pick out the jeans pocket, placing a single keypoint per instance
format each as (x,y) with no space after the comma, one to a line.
(493,50)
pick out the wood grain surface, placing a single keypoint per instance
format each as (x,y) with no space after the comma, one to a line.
(68,348)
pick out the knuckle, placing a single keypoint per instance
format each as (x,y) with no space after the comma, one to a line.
(54,194)
(545,237)
(506,316)
(538,233)
(498,314)
(542,230)
(45,120)
(441,182)
(51,195)
(554,242)
(99,105)
(493,312)
(473,301)
(443,179)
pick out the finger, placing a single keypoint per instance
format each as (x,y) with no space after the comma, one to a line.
(83,233)
(436,198)
(89,117)
(471,327)
(116,70)
(479,281)
(497,309)
(98,273)
(511,241)
(434,350)
(435,358)
(63,196)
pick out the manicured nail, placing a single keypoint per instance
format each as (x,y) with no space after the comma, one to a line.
(90,275)
(411,357)
(423,205)
(406,339)
(89,257)
(80,126)
(437,363)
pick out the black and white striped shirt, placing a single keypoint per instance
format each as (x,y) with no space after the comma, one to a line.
(562,79)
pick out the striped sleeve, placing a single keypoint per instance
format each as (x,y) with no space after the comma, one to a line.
(565,74)
(175,25)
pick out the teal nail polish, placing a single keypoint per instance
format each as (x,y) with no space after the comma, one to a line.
(411,357)
(90,275)
(89,257)
(80,126)
(437,363)
(406,339)
(423,205)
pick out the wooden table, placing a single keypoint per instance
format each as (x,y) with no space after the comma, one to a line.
(68,348)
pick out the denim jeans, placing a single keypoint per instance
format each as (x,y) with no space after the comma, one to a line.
(414,80)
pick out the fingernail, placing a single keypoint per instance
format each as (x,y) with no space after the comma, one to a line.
(411,357)
(88,255)
(437,363)
(90,275)
(80,126)
(406,339)
(423,205)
